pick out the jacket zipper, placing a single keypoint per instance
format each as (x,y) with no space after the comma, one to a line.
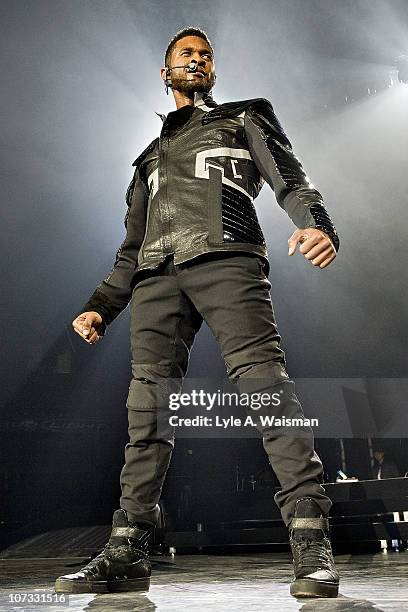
(163,203)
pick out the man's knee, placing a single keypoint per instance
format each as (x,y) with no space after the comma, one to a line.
(271,392)
(151,386)
(267,371)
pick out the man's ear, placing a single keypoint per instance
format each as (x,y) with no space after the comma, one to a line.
(165,74)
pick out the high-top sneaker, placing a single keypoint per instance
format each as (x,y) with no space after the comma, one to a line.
(123,564)
(313,563)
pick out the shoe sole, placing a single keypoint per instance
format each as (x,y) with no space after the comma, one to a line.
(313,588)
(134,584)
(102,586)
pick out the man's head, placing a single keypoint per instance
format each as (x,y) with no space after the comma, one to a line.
(187,45)
(379,454)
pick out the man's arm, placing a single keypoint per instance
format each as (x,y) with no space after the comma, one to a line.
(113,294)
(272,153)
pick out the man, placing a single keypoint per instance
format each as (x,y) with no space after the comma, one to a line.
(384,467)
(194,251)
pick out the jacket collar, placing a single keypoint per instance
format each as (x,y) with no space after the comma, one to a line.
(202,100)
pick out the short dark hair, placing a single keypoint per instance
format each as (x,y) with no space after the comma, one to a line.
(190,31)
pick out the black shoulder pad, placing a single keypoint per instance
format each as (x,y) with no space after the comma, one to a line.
(147,150)
(229,109)
(262,108)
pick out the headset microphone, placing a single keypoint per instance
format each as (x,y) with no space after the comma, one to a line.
(191,67)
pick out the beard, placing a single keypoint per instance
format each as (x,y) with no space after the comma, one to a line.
(189,86)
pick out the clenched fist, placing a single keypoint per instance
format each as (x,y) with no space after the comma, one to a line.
(90,326)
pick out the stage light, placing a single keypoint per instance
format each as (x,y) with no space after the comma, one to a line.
(402,67)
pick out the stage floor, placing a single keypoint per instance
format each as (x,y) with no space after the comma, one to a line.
(211,582)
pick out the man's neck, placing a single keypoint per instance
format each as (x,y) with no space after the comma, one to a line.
(194,99)
(182,99)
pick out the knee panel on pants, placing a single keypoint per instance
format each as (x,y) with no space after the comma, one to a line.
(271,379)
(269,372)
(151,386)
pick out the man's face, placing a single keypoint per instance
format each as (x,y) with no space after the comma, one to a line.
(185,50)
(379,455)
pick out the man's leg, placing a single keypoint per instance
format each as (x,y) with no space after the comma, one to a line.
(233,296)
(164,324)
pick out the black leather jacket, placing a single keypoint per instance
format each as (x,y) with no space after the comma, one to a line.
(193,189)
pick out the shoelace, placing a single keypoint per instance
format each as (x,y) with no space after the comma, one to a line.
(93,565)
(312,554)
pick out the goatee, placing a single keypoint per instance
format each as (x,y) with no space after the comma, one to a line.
(188,86)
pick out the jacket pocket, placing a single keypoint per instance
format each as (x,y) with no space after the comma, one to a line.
(214,205)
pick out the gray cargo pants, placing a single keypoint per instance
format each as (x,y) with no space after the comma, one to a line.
(232,294)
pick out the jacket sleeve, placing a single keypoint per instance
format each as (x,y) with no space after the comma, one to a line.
(113,294)
(272,153)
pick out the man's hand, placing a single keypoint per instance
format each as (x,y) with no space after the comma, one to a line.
(316,246)
(90,326)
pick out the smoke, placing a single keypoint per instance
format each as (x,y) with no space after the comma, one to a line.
(80,87)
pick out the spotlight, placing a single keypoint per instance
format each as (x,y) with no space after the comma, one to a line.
(402,67)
